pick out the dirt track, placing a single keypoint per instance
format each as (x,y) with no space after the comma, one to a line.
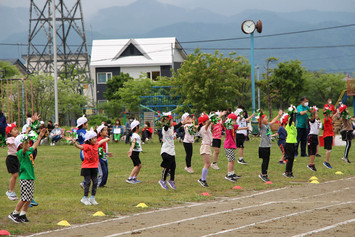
(286,211)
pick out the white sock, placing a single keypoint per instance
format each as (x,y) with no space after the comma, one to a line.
(22,213)
(16,212)
(92,197)
(230,173)
(240,158)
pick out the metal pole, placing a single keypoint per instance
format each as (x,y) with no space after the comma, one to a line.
(258,79)
(172,57)
(23,103)
(54,35)
(252,71)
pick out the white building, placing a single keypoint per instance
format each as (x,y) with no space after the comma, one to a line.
(150,56)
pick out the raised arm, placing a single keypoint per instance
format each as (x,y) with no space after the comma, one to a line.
(250,117)
(277,117)
(103,141)
(41,134)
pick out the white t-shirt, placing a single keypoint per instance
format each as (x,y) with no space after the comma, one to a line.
(138,146)
(188,138)
(168,142)
(242,123)
(314,127)
(206,134)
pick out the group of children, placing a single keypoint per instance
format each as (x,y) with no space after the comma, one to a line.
(93,146)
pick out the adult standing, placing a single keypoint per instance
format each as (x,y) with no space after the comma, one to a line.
(302,126)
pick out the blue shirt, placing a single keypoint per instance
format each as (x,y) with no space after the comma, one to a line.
(81,135)
(282,134)
(302,119)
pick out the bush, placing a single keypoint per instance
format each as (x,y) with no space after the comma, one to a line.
(96,119)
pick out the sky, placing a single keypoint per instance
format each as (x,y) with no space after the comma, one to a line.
(225,7)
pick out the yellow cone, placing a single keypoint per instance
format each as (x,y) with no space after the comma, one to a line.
(313,178)
(99,213)
(142,205)
(339,172)
(314,182)
(63,223)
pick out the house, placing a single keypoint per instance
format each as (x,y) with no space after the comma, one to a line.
(152,57)
(17,62)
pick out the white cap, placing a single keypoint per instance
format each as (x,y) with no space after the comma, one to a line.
(218,113)
(184,116)
(80,121)
(41,122)
(18,140)
(134,124)
(90,134)
(99,128)
(238,111)
(24,128)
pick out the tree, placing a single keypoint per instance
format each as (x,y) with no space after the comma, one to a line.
(114,84)
(268,91)
(288,82)
(208,82)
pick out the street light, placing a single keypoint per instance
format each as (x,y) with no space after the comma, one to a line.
(248,27)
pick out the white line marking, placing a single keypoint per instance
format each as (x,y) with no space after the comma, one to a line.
(218,213)
(156,211)
(277,218)
(325,228)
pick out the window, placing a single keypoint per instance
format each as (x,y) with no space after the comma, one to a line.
(103,77)
(153,75)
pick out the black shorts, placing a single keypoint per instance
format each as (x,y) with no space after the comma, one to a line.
(12,164)
(264,152)
(347,135)
(328,143)
(290,150)
(312,144)
(240,138)
(168,160)
(89,172)
(135,158)
(216,143)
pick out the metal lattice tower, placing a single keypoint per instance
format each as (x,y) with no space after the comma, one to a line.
(72,49)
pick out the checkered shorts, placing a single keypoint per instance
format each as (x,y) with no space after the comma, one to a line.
(230,154)
(27,188)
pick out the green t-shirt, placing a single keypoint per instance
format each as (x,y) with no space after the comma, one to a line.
(302,119)
(27,164)
(291,133)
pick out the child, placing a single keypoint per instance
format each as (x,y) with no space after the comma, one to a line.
(241,134)
(265,143)
(216,139)
(102,131)
(117,131)
(291,142)
(204,127)
(281,132)
(90,164)
(12,162)
(168,150)
(188,142)
(230,145)
(26,175)
(147,132)
(346,130)
(328,134)
(314,126)
(82,125)
(136,148)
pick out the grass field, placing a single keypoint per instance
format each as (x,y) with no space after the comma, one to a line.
(58,176)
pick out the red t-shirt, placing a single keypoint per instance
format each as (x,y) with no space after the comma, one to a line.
(330,106)
(328,128)
(103,145)
(91,156)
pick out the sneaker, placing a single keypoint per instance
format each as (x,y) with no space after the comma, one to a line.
(33,203)
(312,167)
(172,184)
(189,170)
(242,162)
(326,164)
(11,195)
(317,155)
(203,183)
(85,201)
(130,181)
(288,175)
(214,166)
(236,176)
(82,185)
(344,159)
(15,218)
(136,181)
(92,201)
(163,184)
(280,162)
(264,178)
(230,178)
(23,219)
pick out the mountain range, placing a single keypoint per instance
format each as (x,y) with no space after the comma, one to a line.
(150,18)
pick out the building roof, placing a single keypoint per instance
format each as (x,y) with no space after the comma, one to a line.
(145,52)
(17,62)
